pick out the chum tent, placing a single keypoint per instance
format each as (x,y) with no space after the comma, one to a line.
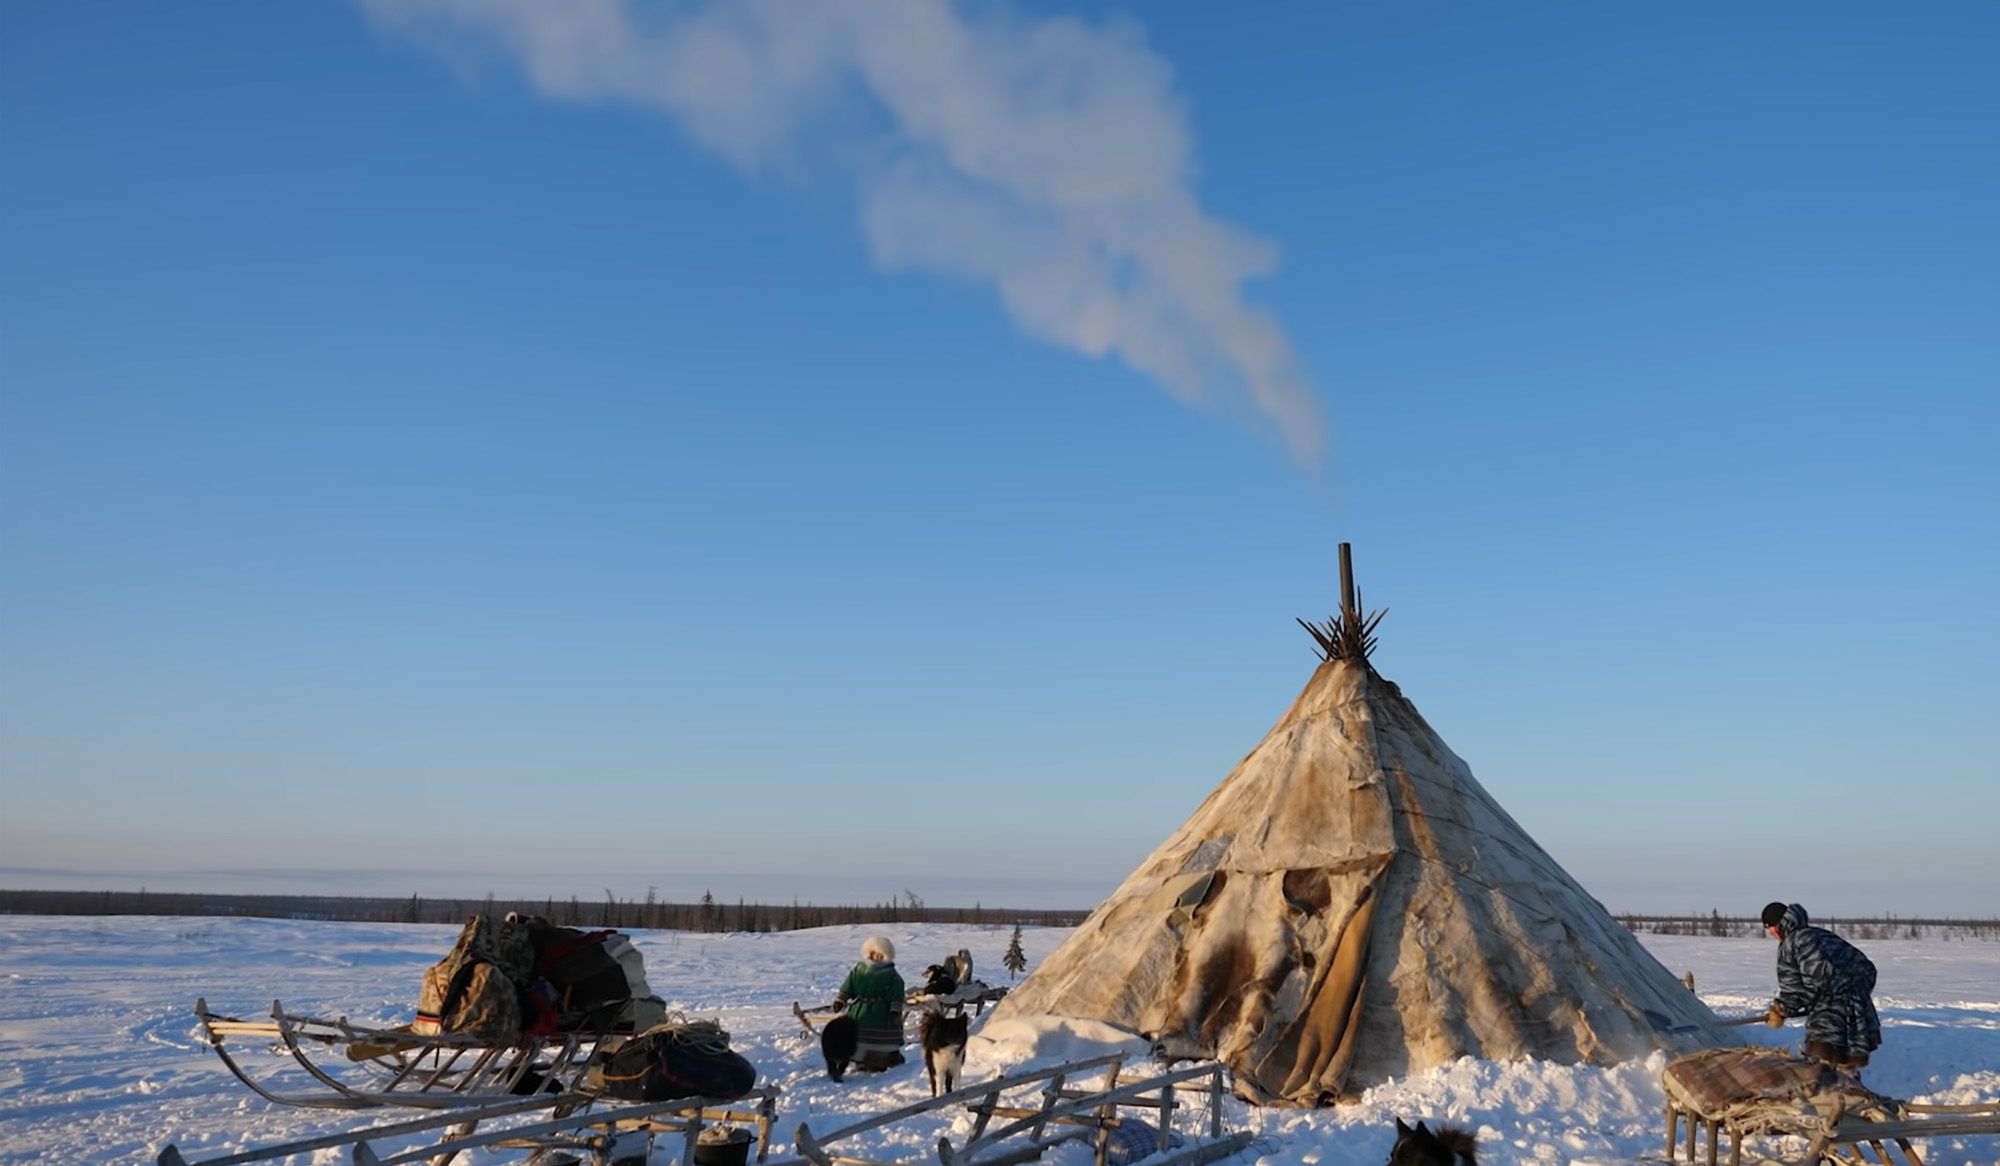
(1351,905)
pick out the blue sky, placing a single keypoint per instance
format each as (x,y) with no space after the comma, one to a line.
(839,450)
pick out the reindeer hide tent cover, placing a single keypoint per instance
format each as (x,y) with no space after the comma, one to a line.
(1349,905)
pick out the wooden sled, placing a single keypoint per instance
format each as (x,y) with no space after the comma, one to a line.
(1059,1112)
(972,994)
(604,1133)
(1763,1092)
(379,1067)
(469,1082)
(824,1012)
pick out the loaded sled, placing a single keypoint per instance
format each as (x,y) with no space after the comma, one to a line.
(1747,1093)
(517,1008)
(335,1064)
(545,1093)
(515,1045)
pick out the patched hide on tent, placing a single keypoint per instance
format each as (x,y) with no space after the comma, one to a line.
(1350,905)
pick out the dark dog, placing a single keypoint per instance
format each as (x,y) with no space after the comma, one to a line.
(837,1042)
(1420,1147)
(943,1039)
(938,981)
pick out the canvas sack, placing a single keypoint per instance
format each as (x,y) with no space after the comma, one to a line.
(476,988)
(670,1061)
(586,985)
(645,1009)
(477,1001)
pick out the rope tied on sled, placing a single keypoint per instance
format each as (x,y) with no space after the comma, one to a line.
(705,1038)
(696,1036)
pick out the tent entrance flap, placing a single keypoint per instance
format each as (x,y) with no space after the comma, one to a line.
(1308,1062)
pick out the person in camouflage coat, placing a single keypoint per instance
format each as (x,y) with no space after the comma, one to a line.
(1827,980)
(873,994)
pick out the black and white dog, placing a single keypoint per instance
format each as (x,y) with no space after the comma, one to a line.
(939,981)
(943,1039)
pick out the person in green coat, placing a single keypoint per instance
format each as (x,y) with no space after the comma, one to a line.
(872,995)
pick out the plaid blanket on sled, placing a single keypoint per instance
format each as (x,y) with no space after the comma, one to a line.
(1767,1089)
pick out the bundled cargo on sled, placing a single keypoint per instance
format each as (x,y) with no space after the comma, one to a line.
(523,974)
(527,1036)
(518,1007)
(607,1095)
(1753,1092)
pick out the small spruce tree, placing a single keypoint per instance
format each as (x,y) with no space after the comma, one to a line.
(1015,960)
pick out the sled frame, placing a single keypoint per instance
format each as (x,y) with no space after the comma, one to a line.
(576,1125)
(814,1150)
(396,1067)
(955,1003)
(1095,1111)
(915,1004)
(1080,1112)
(1832,1134)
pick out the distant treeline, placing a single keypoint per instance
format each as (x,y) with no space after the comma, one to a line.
(1715,923)
(610,911)
(709,914)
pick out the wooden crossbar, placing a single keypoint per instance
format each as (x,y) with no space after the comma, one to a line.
(171,1156)
(815,1147)
(1849,1129)
(447,1133)
(1062,1113)
(1841,1140)
(985,1149)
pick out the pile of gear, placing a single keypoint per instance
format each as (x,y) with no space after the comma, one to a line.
(675,1058)
(523,976)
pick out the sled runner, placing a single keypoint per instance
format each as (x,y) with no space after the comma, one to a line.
(349,1066)
(1746,1092)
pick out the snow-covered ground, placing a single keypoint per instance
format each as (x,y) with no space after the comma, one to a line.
(100,1062)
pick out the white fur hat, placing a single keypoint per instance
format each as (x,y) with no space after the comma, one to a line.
(878,949)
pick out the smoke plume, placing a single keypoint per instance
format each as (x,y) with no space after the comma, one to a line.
(1048,158)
